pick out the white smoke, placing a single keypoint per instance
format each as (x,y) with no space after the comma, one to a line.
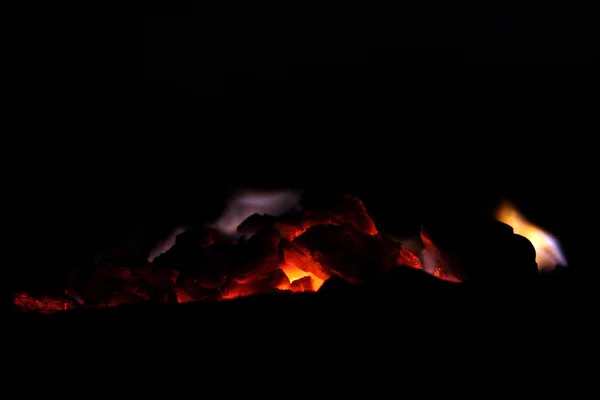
(164,245)
(251,201)
(239,207)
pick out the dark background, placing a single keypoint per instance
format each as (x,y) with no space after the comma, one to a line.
(117,119)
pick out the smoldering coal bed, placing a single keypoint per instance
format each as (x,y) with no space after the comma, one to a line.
(265,244)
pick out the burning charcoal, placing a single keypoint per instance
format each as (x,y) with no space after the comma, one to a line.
(278,279)
(257,257)
(160,277)
(346,252)
(339,210)
(302,285)
(272,282)
(192,290)
(304,261)
(409,259)
(483,252)
(351,210)
(213,265)
(274,279)
(43,304)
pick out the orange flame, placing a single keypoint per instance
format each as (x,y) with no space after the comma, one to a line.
(294,273)
(548,250)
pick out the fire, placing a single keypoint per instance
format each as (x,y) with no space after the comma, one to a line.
(264,243)
(548,250)
(294,273)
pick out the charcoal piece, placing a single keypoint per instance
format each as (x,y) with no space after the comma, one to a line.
(408,258)
(109,282)
(304,260)
(346,252)
(256,222)
(340,210)
(335,284)
(304,284)
(272,282)
(161,278)
(277,278)
(210,266)
(188,248)
(254,260)
(332,210)
(273,279)
(482,252)
(258,256)
(336,289)
(151,293)
(351,210)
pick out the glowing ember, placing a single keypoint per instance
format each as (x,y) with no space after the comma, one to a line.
(548,250)
(294,273)
(46,305)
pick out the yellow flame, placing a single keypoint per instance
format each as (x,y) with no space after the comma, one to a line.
(294,273)
(548,250)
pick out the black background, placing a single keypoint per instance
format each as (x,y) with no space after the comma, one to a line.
(119,119)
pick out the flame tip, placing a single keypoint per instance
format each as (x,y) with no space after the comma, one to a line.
(549,254)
